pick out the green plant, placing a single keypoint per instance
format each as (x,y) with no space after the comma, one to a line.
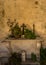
(29,34)
(43,56)
(33,57)
(16,31)
(15,59)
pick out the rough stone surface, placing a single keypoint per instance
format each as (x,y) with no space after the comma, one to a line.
(24,11)
(29,46)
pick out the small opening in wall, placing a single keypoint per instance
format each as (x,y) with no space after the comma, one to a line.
(36,2)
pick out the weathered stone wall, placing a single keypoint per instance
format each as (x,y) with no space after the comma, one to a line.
(28,12)
(30,46)
(24,11)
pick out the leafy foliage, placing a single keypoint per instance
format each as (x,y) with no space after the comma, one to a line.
(43,56)
(16,31)
(33,57)
(29,34)
(15,59)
